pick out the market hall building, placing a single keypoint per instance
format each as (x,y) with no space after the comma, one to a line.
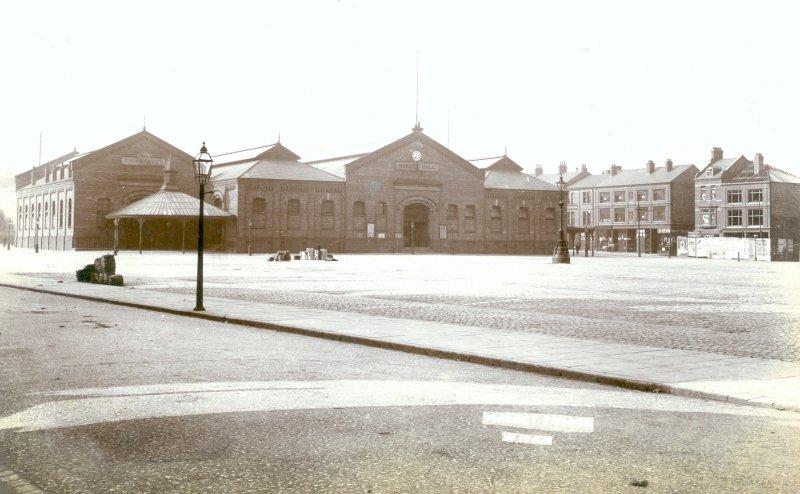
(412,194)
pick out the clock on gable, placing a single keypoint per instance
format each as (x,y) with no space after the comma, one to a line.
(416,155)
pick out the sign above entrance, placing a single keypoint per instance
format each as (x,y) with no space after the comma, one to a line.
(143,160)
(423,167)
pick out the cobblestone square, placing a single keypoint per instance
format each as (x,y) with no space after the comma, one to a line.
(731,308)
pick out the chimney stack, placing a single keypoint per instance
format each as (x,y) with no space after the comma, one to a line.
(615,169)
(716,155)
(651,167)
(562,167)
(539,170)
(583,168)
(668,165)
(758,163)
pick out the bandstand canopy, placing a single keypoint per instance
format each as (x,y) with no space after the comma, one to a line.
(168,204)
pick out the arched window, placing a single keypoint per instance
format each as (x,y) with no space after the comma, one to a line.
(69,213)
(24,222)
(327,215)
(46,217)
(53,214)
(523,220)
(359,216)
(452,218)
(61,173)
(61,213)
(496,219)
(293,214)
(258,209)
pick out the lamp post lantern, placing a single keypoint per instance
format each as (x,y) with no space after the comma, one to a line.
(561,252)
(202,172)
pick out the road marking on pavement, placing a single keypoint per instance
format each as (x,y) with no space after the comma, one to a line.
(540,421)
(79,407)
(516,437)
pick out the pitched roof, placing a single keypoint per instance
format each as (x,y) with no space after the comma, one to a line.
(514,180)
(273,151)
(23,179)
(768,173)
(288,170)
(168,204)
(553,178)
(417,135)
(335,166)
(638,176)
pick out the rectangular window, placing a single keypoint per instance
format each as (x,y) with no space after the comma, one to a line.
(69,213)
(630,196)
(605,215)
(619,215)
(469,219)
(713,193)
(619,196)
(641,195)
(755,195)
(734,217)
(734,196)
(710,172)
(604,197)
(496,223)
(708,217)
(571,218)
(643,214)
(660,213)
(550,213)
(380,217)
(523,221)
(452,218)
(659,194)
(586,197)
(587,218)
(703,193)
(755,217)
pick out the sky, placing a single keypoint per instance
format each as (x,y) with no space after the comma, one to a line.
(590,83)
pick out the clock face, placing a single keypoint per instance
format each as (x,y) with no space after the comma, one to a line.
(416,155)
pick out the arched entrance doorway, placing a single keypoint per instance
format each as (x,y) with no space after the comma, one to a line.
(415,223)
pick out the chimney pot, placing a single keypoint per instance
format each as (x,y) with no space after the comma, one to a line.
(716,154)
(615,169)
(583,168)
(758,163)
(651,166)
(668,165)
(562,167)
(539,170)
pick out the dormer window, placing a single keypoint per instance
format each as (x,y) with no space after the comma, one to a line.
(710,172)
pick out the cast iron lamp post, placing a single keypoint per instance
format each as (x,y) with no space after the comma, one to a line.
(638,227)
(561,253)
(202,172)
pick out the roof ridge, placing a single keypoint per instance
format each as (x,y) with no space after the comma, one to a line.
(243,150)
(312,162)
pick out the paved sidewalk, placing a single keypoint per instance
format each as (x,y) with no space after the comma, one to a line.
(759,382)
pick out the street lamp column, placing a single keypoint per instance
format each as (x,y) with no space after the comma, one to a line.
(638,227)
(202,172)
(561,252)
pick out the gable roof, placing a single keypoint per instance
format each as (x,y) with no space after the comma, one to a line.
(24,179)
(723,165)
(768,173)
(514,180)
(639,176)
(336,165)
(553,178)
(274,151)
(415,135)
(98,153)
